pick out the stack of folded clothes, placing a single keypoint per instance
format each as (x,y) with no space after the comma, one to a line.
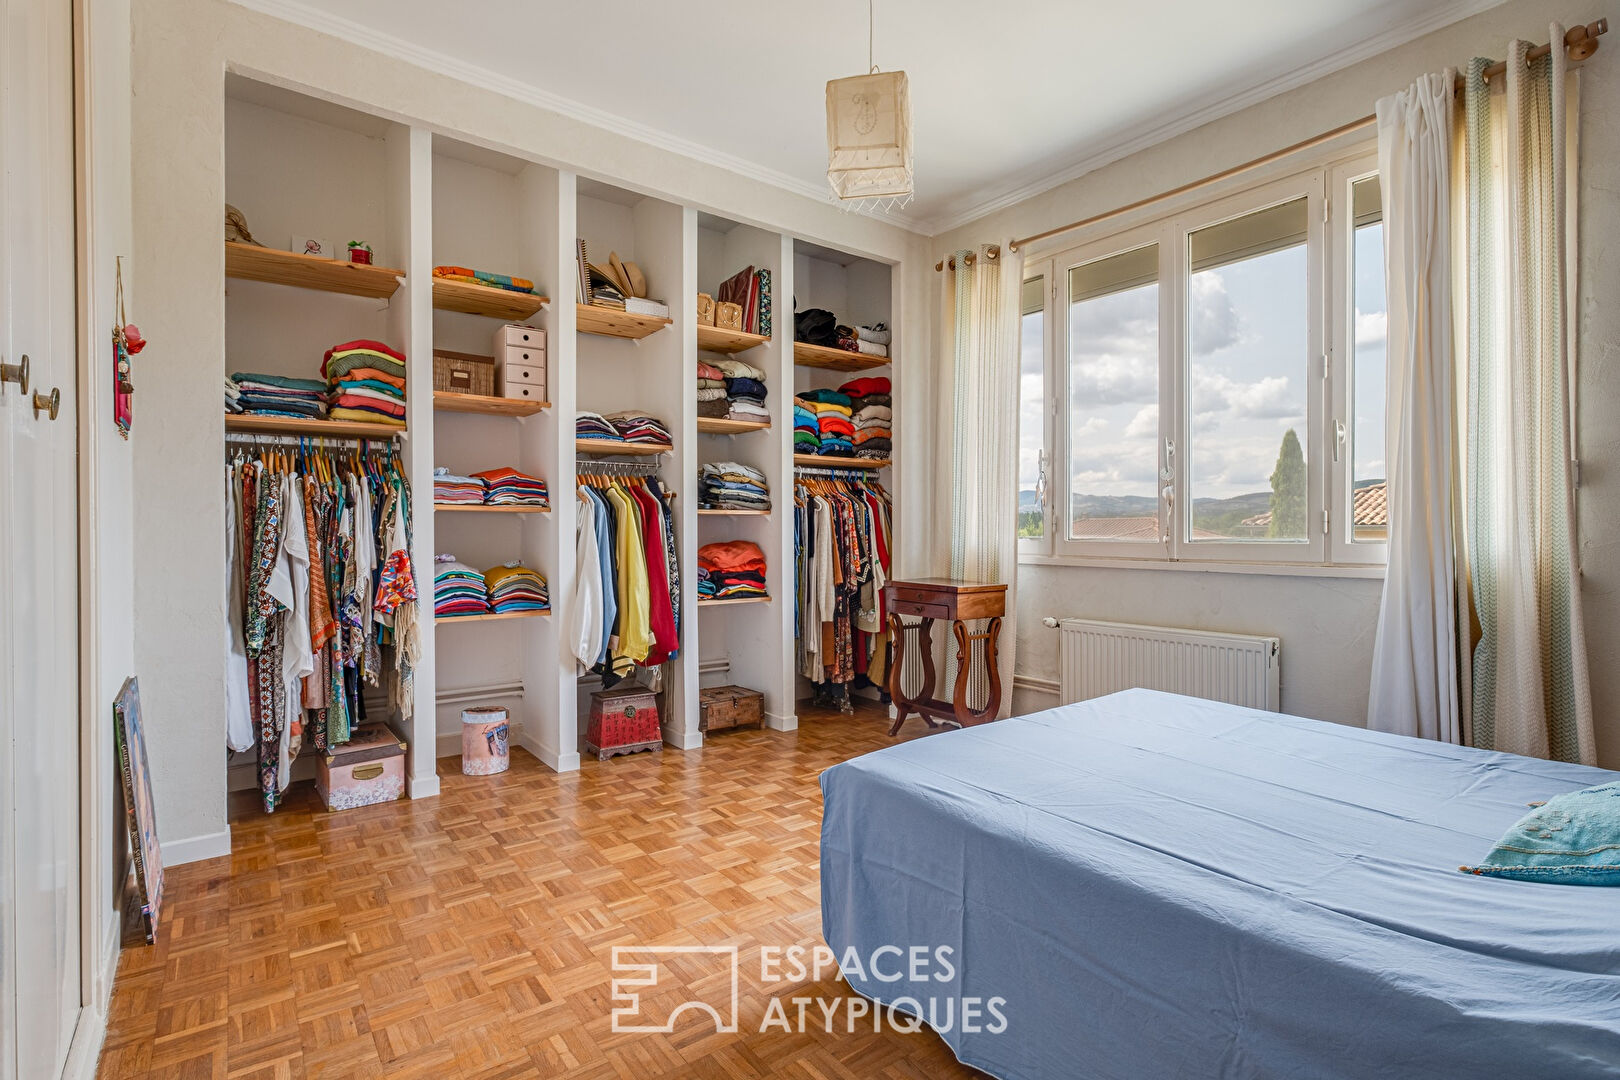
(872,409)
(872,340)
(278,395)
(508,487)
(730,570)
(484,278)
(514,587)
(834,427)
(806,431)
(366,382)
(745,391)
(457,490)
(233,396)
(712,392)
(637,427)
(458,589)
(589,425)
(731,485)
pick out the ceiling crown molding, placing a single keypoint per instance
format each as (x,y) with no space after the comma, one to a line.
(998,196)
(314,18)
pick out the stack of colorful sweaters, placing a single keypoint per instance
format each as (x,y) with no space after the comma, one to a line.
(514,587)
(834,431)
(872,411)
(275,395)
(484,278)
(732,390)
(365,382)
(730,571)
(508,487)
(731,485)
(453,490)
(458,589)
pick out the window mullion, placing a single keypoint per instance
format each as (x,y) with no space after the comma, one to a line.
(1173,373)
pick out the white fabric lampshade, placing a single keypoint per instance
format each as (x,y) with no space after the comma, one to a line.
(869,136)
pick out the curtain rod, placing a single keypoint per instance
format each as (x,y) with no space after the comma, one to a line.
(1581,41)
(992,252)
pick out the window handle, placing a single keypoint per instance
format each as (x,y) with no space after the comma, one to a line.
(1167,488)
(1040,478)
(1338,439)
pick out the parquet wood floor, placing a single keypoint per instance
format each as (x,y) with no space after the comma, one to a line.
(471,935)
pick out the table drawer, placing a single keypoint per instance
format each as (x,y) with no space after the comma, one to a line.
(900,606)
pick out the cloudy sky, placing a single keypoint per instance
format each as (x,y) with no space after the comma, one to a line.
(1249,378)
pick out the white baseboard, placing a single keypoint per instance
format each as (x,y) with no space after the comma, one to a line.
(548,756)
(196,848)
(423,787)
(683,740)
(779,722)
(84,1052)
(1036,685)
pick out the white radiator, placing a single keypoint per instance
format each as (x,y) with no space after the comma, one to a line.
(1100,658)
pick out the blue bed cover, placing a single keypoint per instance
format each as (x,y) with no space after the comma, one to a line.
(1162,887)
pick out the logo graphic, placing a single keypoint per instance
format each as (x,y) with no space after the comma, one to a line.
(645,975)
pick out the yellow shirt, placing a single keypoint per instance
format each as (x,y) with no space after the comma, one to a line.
(635,616)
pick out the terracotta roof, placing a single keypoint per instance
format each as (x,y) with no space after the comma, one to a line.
(1370,507)
(1127,528)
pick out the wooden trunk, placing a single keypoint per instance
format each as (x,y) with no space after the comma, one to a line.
(726,707)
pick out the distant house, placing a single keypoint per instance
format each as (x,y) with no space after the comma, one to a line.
(1369,508)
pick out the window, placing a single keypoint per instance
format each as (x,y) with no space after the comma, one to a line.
(1032,412)
(1197,410)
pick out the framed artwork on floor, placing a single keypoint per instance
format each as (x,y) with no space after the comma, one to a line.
(139,814)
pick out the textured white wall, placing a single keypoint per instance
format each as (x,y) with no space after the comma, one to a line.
(1327,625)
(182,49)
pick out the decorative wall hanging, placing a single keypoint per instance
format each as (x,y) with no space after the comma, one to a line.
(127,341)
(869,134)
(140,816)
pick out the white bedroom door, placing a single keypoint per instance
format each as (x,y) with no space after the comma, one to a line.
(39,669)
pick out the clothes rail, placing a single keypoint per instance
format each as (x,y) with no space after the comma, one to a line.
(864,475)
(265,437)
(616,468)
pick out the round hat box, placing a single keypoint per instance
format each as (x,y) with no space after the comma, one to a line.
(483,740)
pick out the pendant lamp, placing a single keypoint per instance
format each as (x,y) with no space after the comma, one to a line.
(869,133)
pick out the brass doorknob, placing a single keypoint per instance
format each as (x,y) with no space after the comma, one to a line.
(47,404)
(17,373)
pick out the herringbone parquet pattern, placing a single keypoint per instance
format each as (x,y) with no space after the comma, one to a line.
(471,936)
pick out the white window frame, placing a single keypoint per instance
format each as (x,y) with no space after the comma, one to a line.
(1042,545)
(1330,549)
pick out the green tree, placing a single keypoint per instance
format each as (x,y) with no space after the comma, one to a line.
(1288,490)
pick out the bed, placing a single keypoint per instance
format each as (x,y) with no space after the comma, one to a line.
(1162,887)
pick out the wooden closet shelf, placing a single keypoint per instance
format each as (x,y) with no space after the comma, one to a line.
(734,600)
(736,513)
(441,619)
(611,322)
(719,425)
(485,300)
(807,355)
(721,340)
(450,401)
(253,263)
(608,446)
(840,462)
(293,425)
(471,508)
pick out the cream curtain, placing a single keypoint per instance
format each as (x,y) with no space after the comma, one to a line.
(1414,670)
(1530,691)
(980,317)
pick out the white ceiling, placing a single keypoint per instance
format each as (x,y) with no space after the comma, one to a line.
(1008,99)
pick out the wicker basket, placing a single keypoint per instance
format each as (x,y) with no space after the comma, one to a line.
(463,373)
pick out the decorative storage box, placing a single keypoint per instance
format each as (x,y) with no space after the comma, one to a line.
(463,373)
(728,316)
(369,768)
(522,369)
(725,707)
(484,734)
(622,722)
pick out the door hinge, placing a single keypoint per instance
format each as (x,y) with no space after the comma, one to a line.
(1327,362)
(1326,202)
(1324,523)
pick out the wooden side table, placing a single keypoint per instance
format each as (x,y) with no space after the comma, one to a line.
(928,599)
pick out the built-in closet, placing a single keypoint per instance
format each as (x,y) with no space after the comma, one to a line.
(298,166)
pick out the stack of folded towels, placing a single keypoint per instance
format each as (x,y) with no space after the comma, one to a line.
(514,587)
(730,570)
(366,382)
(637,427)
(731,485)
(806,431)
(233,396)
(484,278)
(712,392)
(745,391)
(589,425)
(872,340)
(457,490)
(276,395)
(508,487)
(835,429)
(871,402)
(458,589)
